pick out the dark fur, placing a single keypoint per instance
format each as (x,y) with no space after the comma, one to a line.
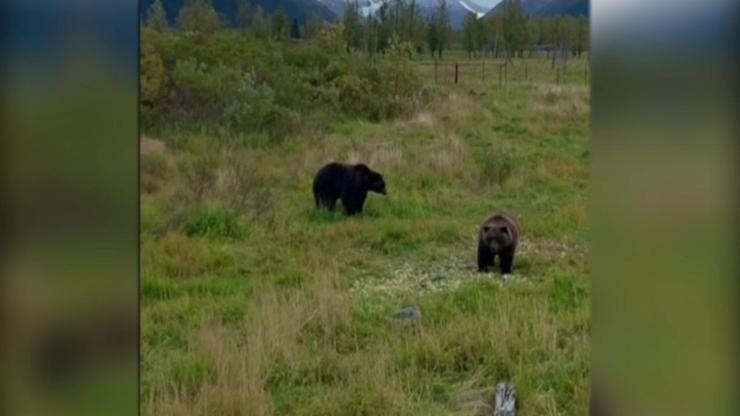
(498,236)
(350,183)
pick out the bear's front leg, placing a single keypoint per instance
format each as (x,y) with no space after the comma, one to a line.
(507,260)
(485,257)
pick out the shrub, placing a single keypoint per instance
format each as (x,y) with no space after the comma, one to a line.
(215,223)
(199,175)
(497,166)
(230,83)
(155,169)
(179,256)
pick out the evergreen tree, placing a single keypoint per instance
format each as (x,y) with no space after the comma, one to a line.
(385,27)
(279,24)
(158,17)
(352,26)
(243,14)
(295,30)
(260,26)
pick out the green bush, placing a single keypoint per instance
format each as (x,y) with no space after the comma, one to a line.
(178,256)
(215,223)
(497,166)
(232,84)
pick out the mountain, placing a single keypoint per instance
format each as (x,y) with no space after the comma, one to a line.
(458,9)
(329,10)
(298,9)
(336,6)
(546,8)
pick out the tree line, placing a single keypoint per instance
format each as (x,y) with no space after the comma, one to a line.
(200,17)
(512,33)
(508,34)
(253,83)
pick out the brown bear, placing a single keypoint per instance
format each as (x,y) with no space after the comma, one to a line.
(350,183)
(499,235)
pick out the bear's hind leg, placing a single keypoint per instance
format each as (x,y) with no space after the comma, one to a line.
(331,204)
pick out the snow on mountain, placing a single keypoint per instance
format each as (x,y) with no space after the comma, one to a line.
(458,9)
(471,9)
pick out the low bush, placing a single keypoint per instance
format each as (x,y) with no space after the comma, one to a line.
(228,83)
(215,223)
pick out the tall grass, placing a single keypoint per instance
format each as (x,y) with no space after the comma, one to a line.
(255,303)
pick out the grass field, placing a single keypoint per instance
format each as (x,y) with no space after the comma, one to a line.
(254,303)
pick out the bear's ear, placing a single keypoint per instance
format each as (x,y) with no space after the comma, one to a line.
(362,167)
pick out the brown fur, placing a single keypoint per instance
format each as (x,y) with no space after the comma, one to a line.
(498,236)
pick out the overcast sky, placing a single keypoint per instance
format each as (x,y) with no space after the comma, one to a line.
(488,3)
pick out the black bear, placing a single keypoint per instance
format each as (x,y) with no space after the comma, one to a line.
(351,183)
(499,235)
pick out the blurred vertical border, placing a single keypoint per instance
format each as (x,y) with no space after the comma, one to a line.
(664,207)
(69,163)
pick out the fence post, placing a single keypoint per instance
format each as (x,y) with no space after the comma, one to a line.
(435,71)
(500,73)
(557,76)
(585,72)
(483,70)
(456,73)
(526,75)
(506,72)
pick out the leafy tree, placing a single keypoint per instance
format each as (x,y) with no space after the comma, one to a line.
(469,35)
(481,37)
(295,30)
(515,27)
(495,33)
(260,26)
(280,24)
(158,17)
(243,13)
(198,16)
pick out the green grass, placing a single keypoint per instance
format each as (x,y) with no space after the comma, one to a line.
(264,305)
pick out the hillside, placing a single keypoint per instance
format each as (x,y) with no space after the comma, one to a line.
(298,9)
(546,8)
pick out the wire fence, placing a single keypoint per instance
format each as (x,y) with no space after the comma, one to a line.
(501,72)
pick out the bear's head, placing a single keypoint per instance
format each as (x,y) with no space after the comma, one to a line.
(496,235)
(373,180)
